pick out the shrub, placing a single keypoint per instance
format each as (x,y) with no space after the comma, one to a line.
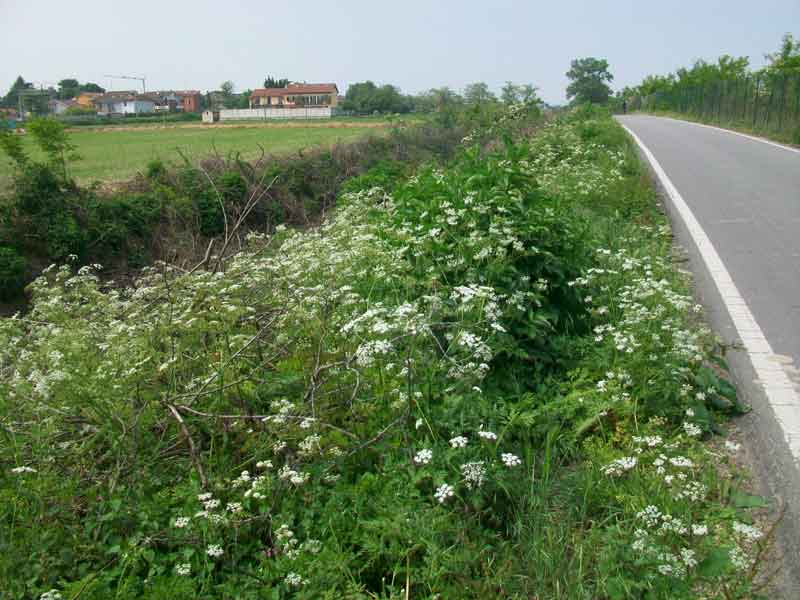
(12,273)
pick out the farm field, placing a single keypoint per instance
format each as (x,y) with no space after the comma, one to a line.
(117,154)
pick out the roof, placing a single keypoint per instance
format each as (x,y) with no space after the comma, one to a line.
(121,97)
(296,88)
(187,93)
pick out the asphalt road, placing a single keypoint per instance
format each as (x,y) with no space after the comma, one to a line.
(745,195)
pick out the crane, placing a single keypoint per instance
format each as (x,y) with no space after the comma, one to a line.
(142,79)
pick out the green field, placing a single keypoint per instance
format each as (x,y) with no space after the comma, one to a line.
(117,154)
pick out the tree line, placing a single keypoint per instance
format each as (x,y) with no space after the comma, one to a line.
(785,62)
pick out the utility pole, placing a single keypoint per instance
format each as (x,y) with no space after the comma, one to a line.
(142,79)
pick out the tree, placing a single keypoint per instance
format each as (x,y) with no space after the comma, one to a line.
(92,88)
(527,93)
(589,77)
(478,93)
(787,59)
(516,94)
(244,99)
(11,99)
(51,136)
(509,94)
(68,88)
(271,82)
(366,97)
(228,99)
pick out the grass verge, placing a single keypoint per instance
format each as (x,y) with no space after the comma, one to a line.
(482,381)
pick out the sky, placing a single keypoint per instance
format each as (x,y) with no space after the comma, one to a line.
(414,44)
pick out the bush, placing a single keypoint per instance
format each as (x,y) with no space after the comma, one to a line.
(12,273)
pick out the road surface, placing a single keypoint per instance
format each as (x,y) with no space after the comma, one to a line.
(735,205)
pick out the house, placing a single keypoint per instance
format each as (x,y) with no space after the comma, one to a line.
(59,107)
(86,99)
(296,95)
(165,101)
(189,100)
(123,103)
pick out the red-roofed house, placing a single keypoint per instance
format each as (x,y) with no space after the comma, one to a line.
(296,95)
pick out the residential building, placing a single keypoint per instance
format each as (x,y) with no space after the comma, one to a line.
(296,95)
(165,101)
(59,107)
(189,100)
(86,99)
(123,103)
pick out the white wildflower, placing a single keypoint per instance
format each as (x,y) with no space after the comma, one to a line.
(748,531)
(19,470)
(619,466)
(473,473)
(458,442)
(510,460)
(181,522)
(423,457)
(443,492)
(294,580)
(215,551)
(692,430)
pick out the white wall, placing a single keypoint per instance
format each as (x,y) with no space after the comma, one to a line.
(132,107)
(227,114)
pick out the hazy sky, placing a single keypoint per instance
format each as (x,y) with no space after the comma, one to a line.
(415,44)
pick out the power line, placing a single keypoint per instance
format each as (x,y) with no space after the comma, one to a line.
(142,79)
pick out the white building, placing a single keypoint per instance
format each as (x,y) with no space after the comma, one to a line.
(123,103)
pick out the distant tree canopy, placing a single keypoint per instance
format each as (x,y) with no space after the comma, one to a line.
(366,97)
(271,82)
(589,79)
(478,93)
(69,88)
(11,99)
(243,100)
(516,94)
(786,60)
(437,100)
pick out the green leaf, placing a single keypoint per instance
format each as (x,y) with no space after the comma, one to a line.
(715,564)
(740,499)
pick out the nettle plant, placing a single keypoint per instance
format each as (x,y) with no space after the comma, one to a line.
(358,409)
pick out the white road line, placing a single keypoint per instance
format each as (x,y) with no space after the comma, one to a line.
(780,392)
(739,133)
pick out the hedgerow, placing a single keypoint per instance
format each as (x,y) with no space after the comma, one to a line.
(172,211)
(484,380)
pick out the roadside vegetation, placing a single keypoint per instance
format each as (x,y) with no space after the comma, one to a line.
(173,209)
(728,93)
(480,377)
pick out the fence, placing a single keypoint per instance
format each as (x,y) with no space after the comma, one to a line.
(762,103)
(232,114)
